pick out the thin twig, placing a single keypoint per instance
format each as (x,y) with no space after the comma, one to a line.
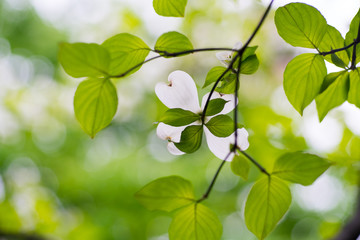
(356,41)
(167,54)
(261,168)
(208,191)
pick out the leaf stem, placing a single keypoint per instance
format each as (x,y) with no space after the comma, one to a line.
(208,191)
(261,168)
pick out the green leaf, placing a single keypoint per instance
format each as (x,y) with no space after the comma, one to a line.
(351,35)
(95,104)
(127,52)
(249,51)
(227,85)
(240,166)
(300,25)
(84,59)
(172,42)
(215,106)
(303,78)
(298,167)
(250,65)
(329,79)
(334,40)
(179,117)
(195,222)
(333,96)
(268,201)
(354,96)
(170,8)
(166,194)
(190,139)
(220,126)
(214,74)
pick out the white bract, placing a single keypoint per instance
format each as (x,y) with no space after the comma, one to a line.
(181,92)
(226,56)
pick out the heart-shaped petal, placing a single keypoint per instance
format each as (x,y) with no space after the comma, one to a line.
(180,92)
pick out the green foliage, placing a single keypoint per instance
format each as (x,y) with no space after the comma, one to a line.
(353,34)
(298,167)
(179,117)
(220,125)
(300,25)
(170,8)
(127,52)
(354,96)
(240,166)
(303,78)
(195,222)
(214,74)
(215,106)
(190,140)
(95,104)
(84,59)
(166,194)
(250,65)
(172,42)
(334,40)
(333,96)
(268,201)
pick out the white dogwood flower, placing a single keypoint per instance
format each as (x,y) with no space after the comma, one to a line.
(181,92)
(226,56)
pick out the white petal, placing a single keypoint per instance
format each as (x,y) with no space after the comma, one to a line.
(220,147)
(224,56)
(173,149)
(229,106)
(238,45)
(242,139)
(181,92)
(167,132)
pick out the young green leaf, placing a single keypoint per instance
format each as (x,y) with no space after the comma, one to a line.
(172,42)
(215,106)
(190,139)
(303,78)
(333,96)
(268,201)
(220,125)
(298,167)
(353,34)
(170,8)
(354,96)
(195,222)
(84,59)
(240,166)
(95,104)
(334,40)
(127,52)
(214,74)
(300,25)
(250,65)
(166,194)
(179,117)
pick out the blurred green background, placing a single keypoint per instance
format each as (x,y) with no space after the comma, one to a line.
(57,183)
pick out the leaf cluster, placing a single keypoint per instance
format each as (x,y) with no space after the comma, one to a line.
(306,77)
